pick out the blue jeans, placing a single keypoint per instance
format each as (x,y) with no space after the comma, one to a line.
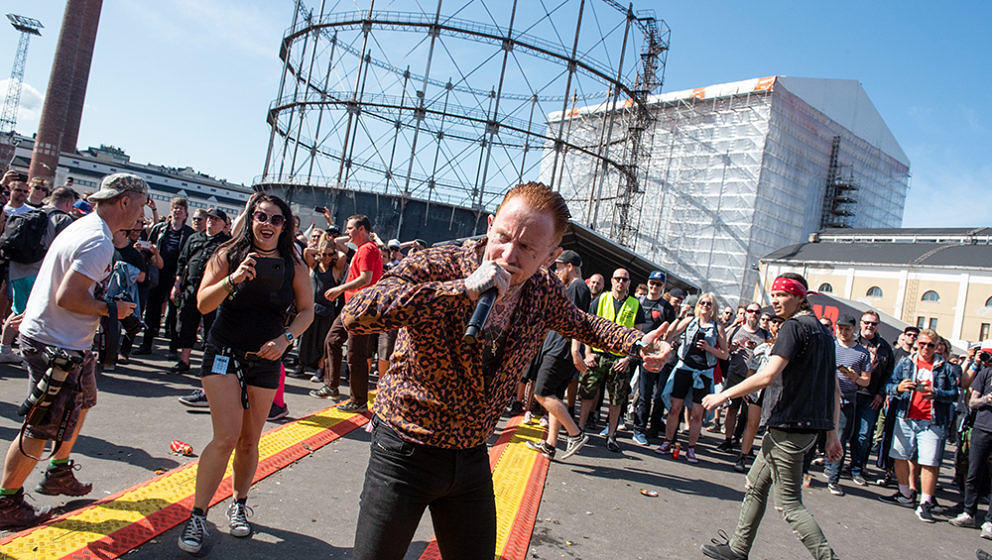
(404,478)
(844,429)
(865,418)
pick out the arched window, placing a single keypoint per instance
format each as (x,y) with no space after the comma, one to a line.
(930,295)
(874,291)
(827,288)
(988,302)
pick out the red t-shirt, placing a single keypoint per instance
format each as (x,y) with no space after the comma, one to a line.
(367,257)
(920,408)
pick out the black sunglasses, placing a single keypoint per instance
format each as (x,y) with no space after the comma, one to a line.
(275,219)
(621,279)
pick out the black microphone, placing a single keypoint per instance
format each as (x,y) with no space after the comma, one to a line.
(482,309)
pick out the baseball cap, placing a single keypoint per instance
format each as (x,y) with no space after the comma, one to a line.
(847,320)
(116,184)
(83,206)
(569,257)
(657,275)
(393,243)
(677,293)
(911,329)
(217,213)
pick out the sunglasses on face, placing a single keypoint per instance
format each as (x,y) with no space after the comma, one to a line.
(870,323)
(621,279)
(275,219)
(708,303)
(752,311)
(655,283)
(926,344)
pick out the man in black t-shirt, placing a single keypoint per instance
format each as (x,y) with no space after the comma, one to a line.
(557,363)
(801,400)
(743,339)
(650,405)
(980,448)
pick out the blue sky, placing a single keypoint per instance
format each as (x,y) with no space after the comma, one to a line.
(187,82)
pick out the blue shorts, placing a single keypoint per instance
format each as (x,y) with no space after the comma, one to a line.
(918,437)
(20,290)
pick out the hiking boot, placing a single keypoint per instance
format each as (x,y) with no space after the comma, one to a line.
(899,499)
(612,445)
(574,444)
(180,367)
(15,513)
(196,399)
(640,439)
(60,480)
(325,392)
(543,448)
(720,549)
(277,412)
(963,520)
(924,513)
(191,539)
(237,519)
(352,406)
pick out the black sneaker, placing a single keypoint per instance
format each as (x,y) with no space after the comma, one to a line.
(899,499)
(195,531)
(180,367)
(277,412)
(741,464)
(141,350)
(720,549)
(727,446)
(612,445)
(516,408)
(924,512)
(196,399)
(300,372)
(543,448)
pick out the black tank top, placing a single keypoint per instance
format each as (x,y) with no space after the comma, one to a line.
(323,281)
(255,314)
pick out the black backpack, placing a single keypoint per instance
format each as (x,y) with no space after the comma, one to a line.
(24,236)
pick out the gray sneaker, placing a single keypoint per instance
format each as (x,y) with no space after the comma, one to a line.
(859,480)
(987,530)
(191,539)
(574,444)
(237,519)
(835,489)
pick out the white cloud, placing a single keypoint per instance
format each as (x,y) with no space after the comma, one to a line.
(29,109)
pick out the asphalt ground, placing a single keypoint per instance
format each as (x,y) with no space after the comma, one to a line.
(592,506)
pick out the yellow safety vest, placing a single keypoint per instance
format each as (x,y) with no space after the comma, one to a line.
(628,312)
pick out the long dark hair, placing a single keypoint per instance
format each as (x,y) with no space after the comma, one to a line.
(243,241)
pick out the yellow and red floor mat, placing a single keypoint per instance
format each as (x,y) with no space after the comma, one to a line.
(123,521)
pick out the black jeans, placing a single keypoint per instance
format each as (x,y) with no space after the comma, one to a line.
(153,310)
(650,405)
(978,456)
(404,478)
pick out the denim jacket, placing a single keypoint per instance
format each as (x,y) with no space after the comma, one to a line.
(945,390)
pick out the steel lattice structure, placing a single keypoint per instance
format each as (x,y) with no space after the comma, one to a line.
(8,118)
(451,103)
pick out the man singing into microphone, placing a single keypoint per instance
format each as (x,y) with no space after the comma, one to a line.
(442,396)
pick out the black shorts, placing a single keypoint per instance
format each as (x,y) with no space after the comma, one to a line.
(682,384)
(553,375)
(264,374)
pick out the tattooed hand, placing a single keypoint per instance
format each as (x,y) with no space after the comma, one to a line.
(488,275)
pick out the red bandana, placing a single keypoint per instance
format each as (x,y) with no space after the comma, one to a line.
(790,286)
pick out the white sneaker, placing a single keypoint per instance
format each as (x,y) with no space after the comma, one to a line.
(10,357)
(543,422)
(986,530)
(528,416)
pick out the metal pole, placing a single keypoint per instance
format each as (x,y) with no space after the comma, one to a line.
(320,116)
(492,122)
(366,29)
(292,108)
(397,125)
(282,83)
(477,189)
(306,93)
(613,114)
(354,135)
(530,122)
(419,115)
(568,87)
(437,152)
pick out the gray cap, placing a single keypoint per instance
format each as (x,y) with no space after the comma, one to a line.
(117,184)
(847,320)
(393,243)
(569,257)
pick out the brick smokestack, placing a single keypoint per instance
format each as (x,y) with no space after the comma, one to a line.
(62,85)
(81,74)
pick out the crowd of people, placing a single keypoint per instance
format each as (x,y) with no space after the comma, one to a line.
(102,273)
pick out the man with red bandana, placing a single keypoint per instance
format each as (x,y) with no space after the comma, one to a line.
(801,401)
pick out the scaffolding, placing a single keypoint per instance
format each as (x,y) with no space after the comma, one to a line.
(450,103)
(731,173)
(8,118)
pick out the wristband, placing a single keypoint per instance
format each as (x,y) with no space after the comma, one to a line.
(227,284)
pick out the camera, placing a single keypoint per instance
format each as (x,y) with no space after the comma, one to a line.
(131,324)
(984,357)
(319,209)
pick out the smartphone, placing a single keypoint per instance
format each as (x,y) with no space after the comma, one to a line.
(922,386)
(319,209)
(22,177)
(143,245)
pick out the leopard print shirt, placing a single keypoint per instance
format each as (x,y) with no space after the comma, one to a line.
(435,392)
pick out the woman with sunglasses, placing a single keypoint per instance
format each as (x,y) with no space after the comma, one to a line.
(253,281)
(328,270)
(703,342)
